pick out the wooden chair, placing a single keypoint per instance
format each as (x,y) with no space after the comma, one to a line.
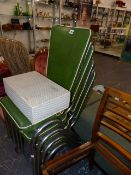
(40,61)
(113,116)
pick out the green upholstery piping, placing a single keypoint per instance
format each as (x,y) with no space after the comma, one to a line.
(84,92)
(85,69)
(87,61)
(16,115)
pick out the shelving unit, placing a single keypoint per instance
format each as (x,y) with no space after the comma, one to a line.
(41,16)
(126,54)
(45,15)
(17,28)
(113,24)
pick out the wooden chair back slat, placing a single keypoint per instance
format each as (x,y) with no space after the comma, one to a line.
(121,104)
(123,96)
(114,145)
(119,111)
(118,164)
(116,130)
(111,117)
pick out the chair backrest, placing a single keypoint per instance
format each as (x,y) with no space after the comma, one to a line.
(112,129)
(15,55)
(40,61)
(66,53)
(69,59)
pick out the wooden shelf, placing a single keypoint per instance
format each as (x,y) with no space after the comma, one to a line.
(14,16)
(116,15)
(43,28)
(44,4)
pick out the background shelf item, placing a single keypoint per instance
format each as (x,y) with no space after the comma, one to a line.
(110,25)
(45,14)
(41,15)
(17,24)
(126,54)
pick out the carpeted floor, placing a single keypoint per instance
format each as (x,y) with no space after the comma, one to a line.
(11,163)
(112,72)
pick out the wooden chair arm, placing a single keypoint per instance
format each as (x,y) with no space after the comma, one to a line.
(64,161)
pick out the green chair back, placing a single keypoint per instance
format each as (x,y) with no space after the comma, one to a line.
(66,53)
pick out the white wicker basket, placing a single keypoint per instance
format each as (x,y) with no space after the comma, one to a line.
(36,96)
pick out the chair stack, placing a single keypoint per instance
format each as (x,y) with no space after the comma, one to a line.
(70,64)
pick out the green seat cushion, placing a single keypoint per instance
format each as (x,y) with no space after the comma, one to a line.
(15,114)
(19,118)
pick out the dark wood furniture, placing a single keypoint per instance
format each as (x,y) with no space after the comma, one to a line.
(40,61)
(114,115)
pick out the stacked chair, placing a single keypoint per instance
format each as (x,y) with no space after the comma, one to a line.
(70,64)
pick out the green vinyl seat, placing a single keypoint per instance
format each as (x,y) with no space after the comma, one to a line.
(70,64)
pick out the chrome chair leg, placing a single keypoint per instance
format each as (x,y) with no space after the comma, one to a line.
(41,157)
(54,151)
(36,135)
(39,130)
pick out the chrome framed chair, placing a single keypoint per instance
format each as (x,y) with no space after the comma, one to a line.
(110,132)
(70,65)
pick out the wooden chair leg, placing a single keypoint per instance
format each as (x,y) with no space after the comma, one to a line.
(91,157)
(2,114)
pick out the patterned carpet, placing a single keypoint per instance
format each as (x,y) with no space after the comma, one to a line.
(12,163)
